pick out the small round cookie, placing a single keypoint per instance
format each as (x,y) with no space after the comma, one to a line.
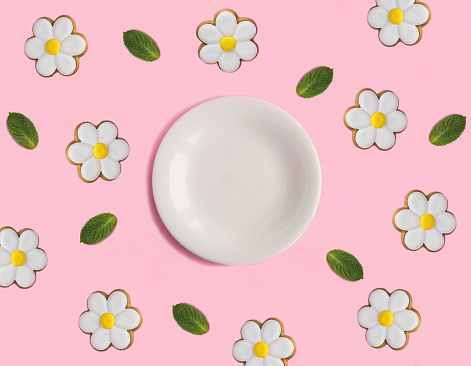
(399,21)
(110,320)
(227,40)
(20,257)
(264,344)
(375,119)
(388,319)
(56,46)
(424,221)
(97,151)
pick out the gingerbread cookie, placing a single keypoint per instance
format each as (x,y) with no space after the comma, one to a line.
(20,257)
(424,221)
(97,151)
(110,320)
(227,40)
(264,344)
(388,318)
(399,21)
(375,119)
(56,46)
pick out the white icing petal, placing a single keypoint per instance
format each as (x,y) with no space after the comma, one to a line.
(445,223)
(28,241)
(407,220)
(73,45)
(120,338)
(365,137)
(396,121)
(417,14)
(117,301)
(65,64)
(406,320)
(389,34)
(62,28)
(388,103)
(272,361)
(118,149)
(89,322)
(417,202)
(107,132)
(80,152)
(226,23)
(387,4)
(376,336)
(42,29)
(255,361)
(97,303)
(245,31)
(7,275)
(271,330)
(408,33)
(242,350)
(46,65)
(5,257)
(415,238)
(100,339)
(367,317)
(87,133)
(434,240)
(211,53)
(379,300)
(385,139)
(229,61)
(368,101)
(25,276)
(357,118)
(251,332)
(127,319)
(378,17)
(36,259)
(281,348)
(246,50)
(9,239)
(404,4)
(395,336)
(35,48)
(209,34)
(91,169)
(437,204)
(110,168)
(399,300)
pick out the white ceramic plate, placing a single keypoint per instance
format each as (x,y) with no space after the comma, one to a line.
(236,180)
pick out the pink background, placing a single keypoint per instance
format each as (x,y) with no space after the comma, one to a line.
(361,189)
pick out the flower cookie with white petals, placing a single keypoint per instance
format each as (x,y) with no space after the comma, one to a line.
(227,40)
(424,221)
(388,318)
(399,21)
(20,257)
(56,46)
(110,320)
(264,344)
(375,119)
(97,151)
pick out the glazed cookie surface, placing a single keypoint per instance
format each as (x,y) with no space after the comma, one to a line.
(227,40)
(56,46)
(388,318)
(424,221)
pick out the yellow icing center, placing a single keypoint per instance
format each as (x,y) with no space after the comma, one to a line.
(53,46)
(107,321)
(386,318)
(378,120)
(261,349)
(18,258)
(396,16)
(427,221)
(100,151)
(228,43)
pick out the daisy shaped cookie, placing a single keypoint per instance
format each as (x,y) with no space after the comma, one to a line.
(375,119)
(388,318)
(110,320)
(56,46)
(227,40)
(20,257)
(424,221)
(97,151)
(264,344)
(399,21)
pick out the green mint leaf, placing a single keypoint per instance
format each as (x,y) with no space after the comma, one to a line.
(97,228)
(345,265)
(315,82)
(140,45)
(448,130)
(190,319)
(22,130)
